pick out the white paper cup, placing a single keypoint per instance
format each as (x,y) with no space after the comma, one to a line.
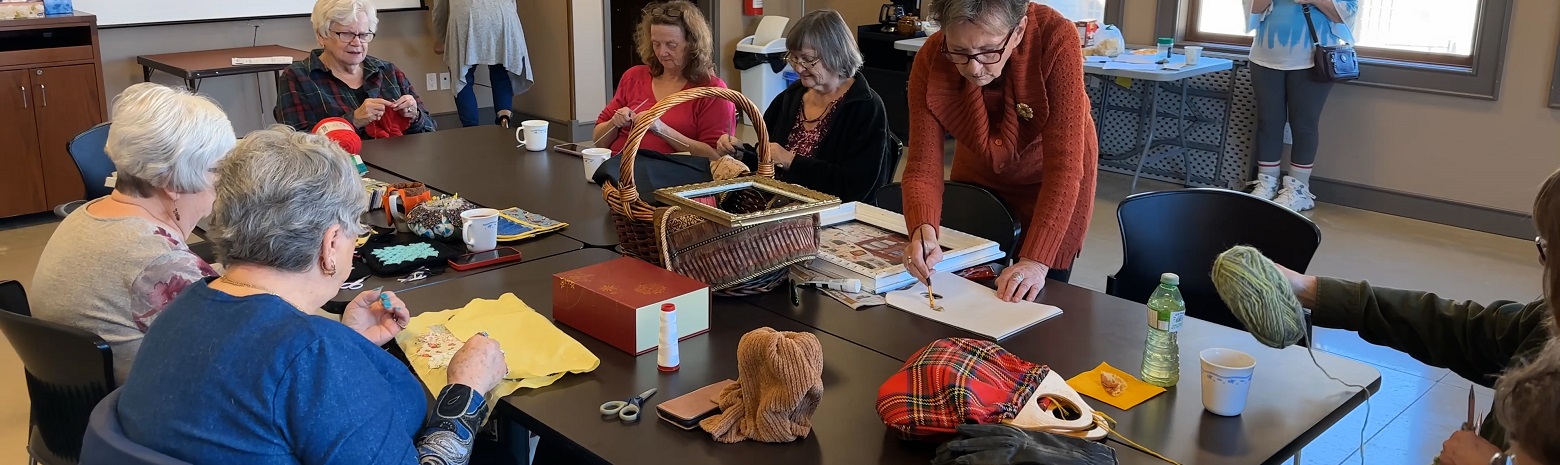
(594,157)
(1226,380)
(479,229)
(533,134)
(1193,53)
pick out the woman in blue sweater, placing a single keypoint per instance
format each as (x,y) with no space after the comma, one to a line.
(239,370)
(1281,78)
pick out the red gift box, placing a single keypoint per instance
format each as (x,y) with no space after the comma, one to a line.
(619,303)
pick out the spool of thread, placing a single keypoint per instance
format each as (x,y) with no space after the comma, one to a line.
(666,357)
(1260,296)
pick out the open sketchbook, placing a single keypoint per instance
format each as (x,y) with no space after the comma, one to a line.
(971,307)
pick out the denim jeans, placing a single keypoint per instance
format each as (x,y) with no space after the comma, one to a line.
(466,99)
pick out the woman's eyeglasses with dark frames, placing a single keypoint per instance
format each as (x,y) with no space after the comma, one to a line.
(346,37)
(798,61)
(985,58)
(1543,249)
(662,9)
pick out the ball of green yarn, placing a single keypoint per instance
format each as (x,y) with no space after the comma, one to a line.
(1259,295)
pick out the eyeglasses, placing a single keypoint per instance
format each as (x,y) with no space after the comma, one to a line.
(1543,247)
(662,9)
(985,58)
(346,37)
(798,61)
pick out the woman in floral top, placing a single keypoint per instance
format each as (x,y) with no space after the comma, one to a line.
(829,130)
(114,263)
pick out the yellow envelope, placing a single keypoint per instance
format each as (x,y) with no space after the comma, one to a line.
(1088,383)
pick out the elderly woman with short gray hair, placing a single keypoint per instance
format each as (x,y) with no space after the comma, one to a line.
(1005,78)
(114,263)
(340,79)
(829,130)
(254,375)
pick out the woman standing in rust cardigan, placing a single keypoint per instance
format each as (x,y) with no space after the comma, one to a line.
(1005,78)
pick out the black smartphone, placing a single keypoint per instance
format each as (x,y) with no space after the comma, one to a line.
(481,259)
(570,148)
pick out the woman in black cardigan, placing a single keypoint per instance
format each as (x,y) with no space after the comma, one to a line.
(829,130)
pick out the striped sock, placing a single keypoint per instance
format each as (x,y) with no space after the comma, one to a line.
(1270,169)
(1301,173)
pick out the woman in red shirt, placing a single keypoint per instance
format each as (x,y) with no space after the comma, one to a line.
(675,40)
(1005,78)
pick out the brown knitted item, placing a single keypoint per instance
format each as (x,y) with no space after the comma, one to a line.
(779,384)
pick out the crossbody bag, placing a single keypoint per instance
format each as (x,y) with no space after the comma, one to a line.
(1335,63)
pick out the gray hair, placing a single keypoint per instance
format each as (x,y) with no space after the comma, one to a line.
(279,191)
(165,138)
(825,31)
(993,15)
(328,12)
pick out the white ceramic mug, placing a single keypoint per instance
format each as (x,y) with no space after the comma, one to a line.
(479,229)
(594,157)
(1226,380)
(1193,53)
(532,133)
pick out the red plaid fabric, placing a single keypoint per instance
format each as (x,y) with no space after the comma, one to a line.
(956,381)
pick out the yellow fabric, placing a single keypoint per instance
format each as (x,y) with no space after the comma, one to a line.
(537,352)
(1088,383)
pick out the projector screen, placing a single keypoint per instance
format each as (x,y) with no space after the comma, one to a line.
(139,12)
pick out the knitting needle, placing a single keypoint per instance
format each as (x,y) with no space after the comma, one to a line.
(604,134)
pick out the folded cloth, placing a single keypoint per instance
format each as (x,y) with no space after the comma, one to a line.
(1136,392)
(956,381)
(1006,445)
(779,384)
(536,351)
(515,224)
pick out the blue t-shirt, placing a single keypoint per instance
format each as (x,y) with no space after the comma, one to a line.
(252,380)
(1282,41)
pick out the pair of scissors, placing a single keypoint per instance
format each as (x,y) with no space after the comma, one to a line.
(354,285)
(627,410)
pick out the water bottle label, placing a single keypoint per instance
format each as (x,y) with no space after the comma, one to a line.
(1166,321)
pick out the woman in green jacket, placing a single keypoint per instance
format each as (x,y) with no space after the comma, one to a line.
(1478,342)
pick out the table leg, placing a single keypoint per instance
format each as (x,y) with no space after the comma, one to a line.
(1148,141)
(192,84)
(146,73)
(1224,134)
(1099,123)
(1180,119)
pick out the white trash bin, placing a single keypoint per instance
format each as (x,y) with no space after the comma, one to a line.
(762,82)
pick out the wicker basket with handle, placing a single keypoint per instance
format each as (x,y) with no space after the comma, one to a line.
(707,252)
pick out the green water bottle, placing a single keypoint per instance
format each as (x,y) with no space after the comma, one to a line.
(1162,355)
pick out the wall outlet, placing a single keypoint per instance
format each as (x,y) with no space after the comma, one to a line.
(444,81)
(1289,136)
(433,81)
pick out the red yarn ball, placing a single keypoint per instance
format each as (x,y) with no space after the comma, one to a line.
(341,131)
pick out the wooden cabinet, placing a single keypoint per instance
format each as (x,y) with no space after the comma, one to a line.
(51,89)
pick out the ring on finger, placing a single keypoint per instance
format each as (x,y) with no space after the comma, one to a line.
(1018,277)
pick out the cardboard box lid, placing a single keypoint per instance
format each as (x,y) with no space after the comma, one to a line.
(631,281)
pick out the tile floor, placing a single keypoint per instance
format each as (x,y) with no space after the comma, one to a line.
(1417,407)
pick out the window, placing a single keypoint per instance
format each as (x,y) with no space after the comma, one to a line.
(1424,31)
(1450,47)
(1077,9)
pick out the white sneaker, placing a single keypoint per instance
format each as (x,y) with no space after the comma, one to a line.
(1265,187)
(1295,195)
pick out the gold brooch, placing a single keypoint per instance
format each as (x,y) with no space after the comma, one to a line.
(1025,111)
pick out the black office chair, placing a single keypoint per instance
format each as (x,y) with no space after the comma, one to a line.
(68,371)
(1182,231)
(885,177)
(966,208)
(86,149)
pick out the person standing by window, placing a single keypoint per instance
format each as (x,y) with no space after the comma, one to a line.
(1281,64)
(469,33)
